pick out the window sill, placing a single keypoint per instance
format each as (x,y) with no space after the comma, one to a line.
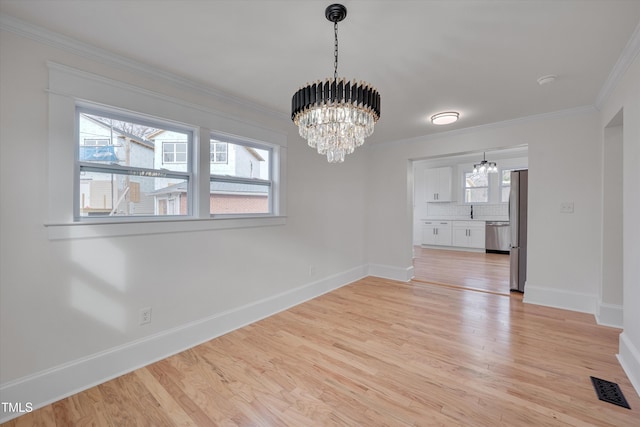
(87,230)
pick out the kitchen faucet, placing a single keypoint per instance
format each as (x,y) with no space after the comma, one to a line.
(471,211)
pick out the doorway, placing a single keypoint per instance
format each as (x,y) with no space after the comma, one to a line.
(451,264)
(611,296)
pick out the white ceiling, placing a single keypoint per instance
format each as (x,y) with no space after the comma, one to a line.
(481,58)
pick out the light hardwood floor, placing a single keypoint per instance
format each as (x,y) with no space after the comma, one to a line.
(373,353)
(470,270)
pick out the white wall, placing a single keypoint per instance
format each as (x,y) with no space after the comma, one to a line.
(554,143)
(611,295)
(69,308)
(626,97)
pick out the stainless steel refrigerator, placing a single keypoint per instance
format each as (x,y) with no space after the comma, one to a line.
(518,225)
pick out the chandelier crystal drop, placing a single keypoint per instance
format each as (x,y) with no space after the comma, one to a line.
(335,115)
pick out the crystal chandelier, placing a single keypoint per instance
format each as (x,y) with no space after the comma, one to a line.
(335,115)
(484,166)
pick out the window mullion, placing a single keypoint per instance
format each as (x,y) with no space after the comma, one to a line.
(202,188)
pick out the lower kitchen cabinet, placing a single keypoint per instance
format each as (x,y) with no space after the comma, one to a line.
(437,233)
(468,234)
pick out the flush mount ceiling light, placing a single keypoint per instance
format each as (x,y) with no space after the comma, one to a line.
(335,115)
(484,166)
(445,118)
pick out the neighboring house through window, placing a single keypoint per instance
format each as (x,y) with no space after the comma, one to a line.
(122,179)
(244,184)
(94,141)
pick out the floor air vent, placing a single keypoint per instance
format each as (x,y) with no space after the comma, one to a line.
(609,392)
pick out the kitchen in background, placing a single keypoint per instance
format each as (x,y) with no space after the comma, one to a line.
(454,210)
(439,188)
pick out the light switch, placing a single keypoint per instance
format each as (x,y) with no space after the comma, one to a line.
(566,207)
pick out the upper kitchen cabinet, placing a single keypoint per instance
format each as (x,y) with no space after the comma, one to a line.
(438,184)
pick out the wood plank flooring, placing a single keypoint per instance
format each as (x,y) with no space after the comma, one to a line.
(469,270)
(375,353)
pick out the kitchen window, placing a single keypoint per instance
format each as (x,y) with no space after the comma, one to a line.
(505,185)
(476,187)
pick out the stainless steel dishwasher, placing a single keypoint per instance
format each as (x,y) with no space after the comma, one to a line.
(497,237)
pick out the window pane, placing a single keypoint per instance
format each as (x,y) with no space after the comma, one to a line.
(476,195)
(506,177)
(136,169)
(476,179)
(239,198)
(240,178)
(127,143)
(114,194)
(240,160)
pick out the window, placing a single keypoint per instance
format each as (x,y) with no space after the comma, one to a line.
(476,187)
(130,177)
(505,185)
(114,190)
(243,184)
(174,152)
(218,152)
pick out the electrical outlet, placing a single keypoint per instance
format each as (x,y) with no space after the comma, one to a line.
(145,316)
(312,270)
(566,207)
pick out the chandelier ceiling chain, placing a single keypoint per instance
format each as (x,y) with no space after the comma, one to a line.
(335,51)
(335,115)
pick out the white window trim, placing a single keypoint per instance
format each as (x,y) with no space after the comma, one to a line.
(69,88)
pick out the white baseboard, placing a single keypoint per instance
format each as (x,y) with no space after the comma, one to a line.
(568,300)
(43,388)
(629,358)
(454,248)
(391,272)
(609,315)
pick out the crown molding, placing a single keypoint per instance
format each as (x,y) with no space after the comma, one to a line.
(628,55)
(85,50)
(585,109)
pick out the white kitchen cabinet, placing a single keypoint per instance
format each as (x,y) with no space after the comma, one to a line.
(436,233)
(438,184)
(468,234)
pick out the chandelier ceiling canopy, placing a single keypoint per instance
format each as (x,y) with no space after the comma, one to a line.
(335,115)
